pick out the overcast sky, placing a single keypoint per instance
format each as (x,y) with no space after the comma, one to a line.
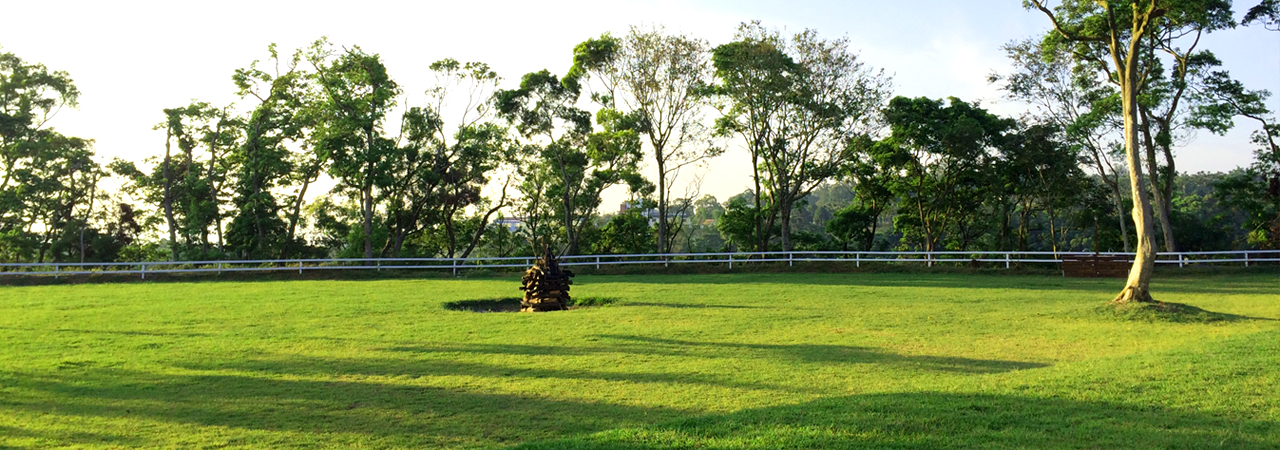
(133,59)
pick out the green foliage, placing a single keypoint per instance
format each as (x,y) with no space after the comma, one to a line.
(48,181)
(796,101)
(626,233)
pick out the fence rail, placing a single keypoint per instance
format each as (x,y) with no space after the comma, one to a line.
(1008,259)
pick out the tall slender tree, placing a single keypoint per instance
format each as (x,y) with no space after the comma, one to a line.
(659,78)
(358,94)
(797,101)
(1113,37)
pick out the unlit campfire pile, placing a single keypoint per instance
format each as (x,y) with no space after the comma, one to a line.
(545,285)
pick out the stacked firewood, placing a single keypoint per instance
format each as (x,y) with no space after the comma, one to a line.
(545,285)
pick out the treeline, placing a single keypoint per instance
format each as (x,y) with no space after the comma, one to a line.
(480,168)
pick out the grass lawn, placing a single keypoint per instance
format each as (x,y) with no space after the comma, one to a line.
(757,361)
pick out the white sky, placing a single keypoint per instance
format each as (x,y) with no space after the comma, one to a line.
(133,59)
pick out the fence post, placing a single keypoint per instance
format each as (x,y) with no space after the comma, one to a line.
(791,259)
(455,267)
(597,263)
(928,257)
(144,270)
(55,271)
(379,264)
(1246,258)
(731,260)
(219,268)
(299,267)
(857,259)
(1182,260)
(1006,260)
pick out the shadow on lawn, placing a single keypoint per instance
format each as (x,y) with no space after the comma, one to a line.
(114,332)
(804,353)
(691,305)
(333,413)
(1106,288)
(351,413)
(930,420)
(835,354)
(44,439)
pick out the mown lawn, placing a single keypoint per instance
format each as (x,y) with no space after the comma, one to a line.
(756,361)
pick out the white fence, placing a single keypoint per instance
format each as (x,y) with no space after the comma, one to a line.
(1007,259)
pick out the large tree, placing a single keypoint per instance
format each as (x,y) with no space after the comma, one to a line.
(48,180)
(189,182)
(659,78)
(570,162)
(797,101)
(277,122)
(1114,37)
(944,152)
(357,96)
(1077,102)
(442,165)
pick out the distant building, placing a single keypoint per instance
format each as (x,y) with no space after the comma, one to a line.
(651,213)
(513,224)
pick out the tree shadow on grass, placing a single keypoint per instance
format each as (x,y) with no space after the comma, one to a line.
(43,439)
(295,366)
(1167,312)
(835,354)
(804,353)
(113,332)
(330,413)
(691,305)
(1244,286)
(931,420)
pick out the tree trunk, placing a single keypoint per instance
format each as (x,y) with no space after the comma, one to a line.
(296,212)
(1166,198)
(1137,286)
(168,199)
(784,219)
(662,202)
(1153,167)
(762,243)
(93,192)
(1004,225)
(366,206)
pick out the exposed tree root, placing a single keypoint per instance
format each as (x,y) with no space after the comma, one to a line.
(1132,294)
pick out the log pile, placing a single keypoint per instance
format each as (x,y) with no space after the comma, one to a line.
(545,285)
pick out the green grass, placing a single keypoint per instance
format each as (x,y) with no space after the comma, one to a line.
(725,361)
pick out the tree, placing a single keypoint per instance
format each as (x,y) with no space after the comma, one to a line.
(48,181)
(1165,103)
(796,101)
(659,78)
(357,96)
(1266,13)
(870,167)
(737,225)
(439,172)
(943,154)
(1112,37)
(1042,174)
(1076,101)
(628,233)
(572,164)
(277,122)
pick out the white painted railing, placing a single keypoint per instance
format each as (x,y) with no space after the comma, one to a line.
(1007,259)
